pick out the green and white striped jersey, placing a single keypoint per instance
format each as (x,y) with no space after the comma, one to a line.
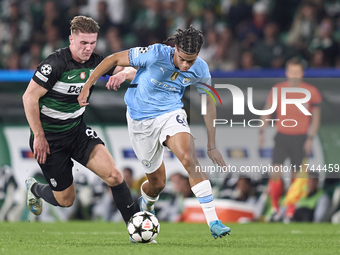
(64,78)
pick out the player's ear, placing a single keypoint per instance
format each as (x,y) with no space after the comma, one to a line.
(70,37)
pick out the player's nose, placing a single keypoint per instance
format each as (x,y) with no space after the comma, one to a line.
(186,65)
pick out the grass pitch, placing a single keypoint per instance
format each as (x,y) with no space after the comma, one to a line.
(99,238)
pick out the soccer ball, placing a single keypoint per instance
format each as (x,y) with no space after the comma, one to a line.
(143,227)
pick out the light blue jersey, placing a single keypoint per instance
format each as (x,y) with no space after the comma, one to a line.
(158,86)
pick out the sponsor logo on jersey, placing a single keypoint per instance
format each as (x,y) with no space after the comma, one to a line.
(174,76)
(41,77)
(163,85)
(82,75)
(163,70)
(46,69)
(71,77)
(75,89)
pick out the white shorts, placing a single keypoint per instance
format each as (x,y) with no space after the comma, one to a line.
(147,136)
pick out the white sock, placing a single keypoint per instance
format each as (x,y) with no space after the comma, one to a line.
(203,192)
(148,201)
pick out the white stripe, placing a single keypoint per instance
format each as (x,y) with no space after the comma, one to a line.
(41,77)
(61,115)
(68,88)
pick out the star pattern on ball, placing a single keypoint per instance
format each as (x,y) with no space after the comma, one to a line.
(147,216)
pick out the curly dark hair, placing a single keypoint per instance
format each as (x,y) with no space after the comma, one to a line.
(189,40)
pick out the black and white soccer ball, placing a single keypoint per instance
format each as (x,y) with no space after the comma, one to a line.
(143,227)
(46,69)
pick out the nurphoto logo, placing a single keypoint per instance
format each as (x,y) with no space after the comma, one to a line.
(239,99)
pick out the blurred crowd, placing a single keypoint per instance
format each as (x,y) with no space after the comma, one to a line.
(239,34)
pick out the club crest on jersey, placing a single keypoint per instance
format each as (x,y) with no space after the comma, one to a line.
(146,163)
(82,75)
(53,182)
(174,76)
(186,80)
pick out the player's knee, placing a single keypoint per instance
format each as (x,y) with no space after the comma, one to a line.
(113,178)
(186,160)
(66,201)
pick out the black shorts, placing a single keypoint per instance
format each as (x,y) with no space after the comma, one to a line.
(289,146)
(58,167)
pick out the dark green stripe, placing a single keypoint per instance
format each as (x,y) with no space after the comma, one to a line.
(58,128)
(52,121)
(58,106)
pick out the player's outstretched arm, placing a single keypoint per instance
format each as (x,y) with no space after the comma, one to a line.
(117,59)
(122,74)
(31,105)
(212,151)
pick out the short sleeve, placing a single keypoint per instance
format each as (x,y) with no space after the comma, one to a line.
(143,56)
(49,71)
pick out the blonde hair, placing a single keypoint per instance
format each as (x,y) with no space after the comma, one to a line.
(82,24)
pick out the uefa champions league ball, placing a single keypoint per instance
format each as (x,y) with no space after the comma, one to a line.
(143,227)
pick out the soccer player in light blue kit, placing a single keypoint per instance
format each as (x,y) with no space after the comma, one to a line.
(156,118)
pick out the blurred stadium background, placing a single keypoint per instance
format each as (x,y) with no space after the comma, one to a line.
(247,43)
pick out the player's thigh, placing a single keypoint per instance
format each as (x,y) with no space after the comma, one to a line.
(182,145)
(57,169)
(89,150)
(85,142)
(175,134)
(144,138)
(102,164)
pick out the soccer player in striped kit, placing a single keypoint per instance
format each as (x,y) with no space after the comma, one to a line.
(58,132)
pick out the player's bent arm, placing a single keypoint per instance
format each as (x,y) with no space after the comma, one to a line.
(31,106)
(117,59)
(128,72)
